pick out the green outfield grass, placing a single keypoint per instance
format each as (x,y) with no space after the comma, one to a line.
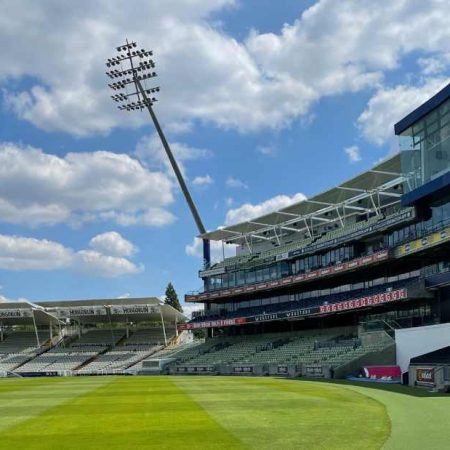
(215,413)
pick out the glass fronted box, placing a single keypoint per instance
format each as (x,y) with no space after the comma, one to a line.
(425,147)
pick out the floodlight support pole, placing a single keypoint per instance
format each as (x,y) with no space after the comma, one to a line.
(178,174)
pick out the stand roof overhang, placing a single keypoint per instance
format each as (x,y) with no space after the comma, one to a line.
(88,311)
(21,313)
(115,310)
(371,181)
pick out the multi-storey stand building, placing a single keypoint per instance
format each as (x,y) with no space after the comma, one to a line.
(371,253)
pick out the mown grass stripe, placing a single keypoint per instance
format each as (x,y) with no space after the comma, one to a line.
(128,413)
(281,414)
(25,399)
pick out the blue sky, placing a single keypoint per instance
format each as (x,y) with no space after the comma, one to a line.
(263,102)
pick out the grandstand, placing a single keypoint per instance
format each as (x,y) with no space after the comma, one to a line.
(84,336)
(355,276)
(369,255)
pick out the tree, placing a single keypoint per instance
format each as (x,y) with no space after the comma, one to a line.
(172,298)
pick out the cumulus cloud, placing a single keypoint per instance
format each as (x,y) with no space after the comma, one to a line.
(266,80)
(20,253)
(94,263)
(353,153)
(38,188)
(233,182)
(389,105)
(202,181)
(249,211)
(112,243)
(189,308)
(217,251)
(23,253)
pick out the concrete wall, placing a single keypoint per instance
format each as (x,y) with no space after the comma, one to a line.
(385,357)
(412,342)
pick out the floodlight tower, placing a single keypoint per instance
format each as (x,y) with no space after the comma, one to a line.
(134,68)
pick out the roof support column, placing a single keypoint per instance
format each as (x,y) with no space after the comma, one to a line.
(307,227)
(163,326)
(35,329)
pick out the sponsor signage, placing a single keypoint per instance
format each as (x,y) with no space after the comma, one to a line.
(211,272)
(423,243)
(212,323)
(195,369)
(314,371)
(425,375)
(362,302)
(135,309)
(15,313)
(79,311)
(282,370)
(338,268)
(295,314)
(243,369)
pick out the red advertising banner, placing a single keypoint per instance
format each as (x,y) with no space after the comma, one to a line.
(211,323)
(371,300)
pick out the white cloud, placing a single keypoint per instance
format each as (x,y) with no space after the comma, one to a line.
(353,153)
(94,263)
(217,251)
(189,308)
(38,188)
(435,64)
(202,181)
(6,299)
(20,253)
(266,81)
(233,182)
(112,243)
(389,105)
(249,211)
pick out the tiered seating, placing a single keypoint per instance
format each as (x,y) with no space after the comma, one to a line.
(310,302)
(349,229)
(52,361)
(141,343)
(142,338)
(11,361)
(299,348)
(117,360)
(19,342)
(98,338)
(76,354)
(245,261)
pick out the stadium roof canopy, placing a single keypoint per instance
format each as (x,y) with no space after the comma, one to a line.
(88,311)
(147,309)
(367,192)
(25,313)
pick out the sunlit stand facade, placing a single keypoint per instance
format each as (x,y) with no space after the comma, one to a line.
(371,253)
